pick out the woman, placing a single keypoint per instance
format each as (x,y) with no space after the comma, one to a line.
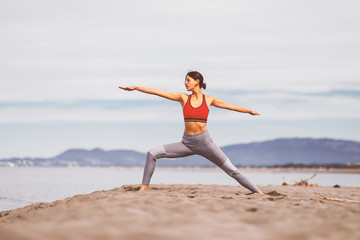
(196,138)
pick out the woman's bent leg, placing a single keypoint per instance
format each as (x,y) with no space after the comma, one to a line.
(173,150)
(149,168)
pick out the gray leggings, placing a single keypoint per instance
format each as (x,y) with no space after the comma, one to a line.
(200,144)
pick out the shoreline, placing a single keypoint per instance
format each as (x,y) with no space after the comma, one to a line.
(269,169)
(244,169)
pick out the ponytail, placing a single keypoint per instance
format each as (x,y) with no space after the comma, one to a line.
(203,86)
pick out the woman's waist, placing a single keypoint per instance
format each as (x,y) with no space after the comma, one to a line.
(194,128)
(198,140)
(196,133)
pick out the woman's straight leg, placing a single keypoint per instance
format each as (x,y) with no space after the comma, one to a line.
(232,171)
(217,156)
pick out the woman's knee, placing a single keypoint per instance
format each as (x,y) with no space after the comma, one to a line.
(157,152)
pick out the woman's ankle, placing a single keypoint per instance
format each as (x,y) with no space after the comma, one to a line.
(144,187)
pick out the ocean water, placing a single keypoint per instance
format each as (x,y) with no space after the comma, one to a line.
(21,187)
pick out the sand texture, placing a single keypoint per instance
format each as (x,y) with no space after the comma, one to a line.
(190,212)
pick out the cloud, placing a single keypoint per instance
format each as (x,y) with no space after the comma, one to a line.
(90,111)
(61,64)
(79,47)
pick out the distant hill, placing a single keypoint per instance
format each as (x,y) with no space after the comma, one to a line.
(294,151)
(81,158)
(278,152)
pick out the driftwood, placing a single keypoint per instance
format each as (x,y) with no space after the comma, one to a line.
(302,182)
(335,199)
(305,181)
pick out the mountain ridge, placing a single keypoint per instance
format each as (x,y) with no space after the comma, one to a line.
(277,152)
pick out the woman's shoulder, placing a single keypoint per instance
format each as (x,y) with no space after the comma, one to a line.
(183,97)
(209,97)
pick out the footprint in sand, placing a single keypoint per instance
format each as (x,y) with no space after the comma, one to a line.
(131,188)
(275,195)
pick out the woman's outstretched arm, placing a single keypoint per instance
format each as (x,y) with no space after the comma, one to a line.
(168,95)
(221,104)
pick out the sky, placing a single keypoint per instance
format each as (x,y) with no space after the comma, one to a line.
(61,62)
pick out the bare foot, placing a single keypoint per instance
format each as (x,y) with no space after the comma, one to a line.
(260,192)
(143,188)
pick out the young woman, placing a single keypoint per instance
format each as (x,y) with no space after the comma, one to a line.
(196,138)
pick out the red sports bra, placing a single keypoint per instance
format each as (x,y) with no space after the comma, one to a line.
(199,114)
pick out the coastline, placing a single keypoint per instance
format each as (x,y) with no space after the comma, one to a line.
(270,169)
(244,169)
(186,211)
(305,169)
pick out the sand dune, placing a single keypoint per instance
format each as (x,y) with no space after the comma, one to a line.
(190,212)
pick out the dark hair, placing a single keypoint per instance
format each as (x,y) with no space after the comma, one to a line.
(197,76)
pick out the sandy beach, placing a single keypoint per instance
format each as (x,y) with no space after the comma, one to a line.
(191,212)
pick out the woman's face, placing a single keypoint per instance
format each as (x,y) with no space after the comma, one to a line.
(190,83)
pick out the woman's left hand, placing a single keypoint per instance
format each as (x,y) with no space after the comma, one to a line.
(253,113)
(128,88)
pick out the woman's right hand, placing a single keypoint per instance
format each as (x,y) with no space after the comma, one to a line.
(128,88)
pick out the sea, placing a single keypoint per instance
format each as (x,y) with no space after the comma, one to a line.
(20,187)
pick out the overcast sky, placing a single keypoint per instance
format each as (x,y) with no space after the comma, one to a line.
(61,62)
